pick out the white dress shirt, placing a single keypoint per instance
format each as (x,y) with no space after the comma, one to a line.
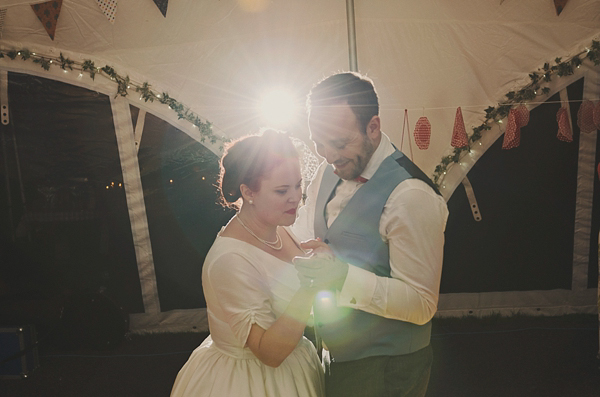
(412,224)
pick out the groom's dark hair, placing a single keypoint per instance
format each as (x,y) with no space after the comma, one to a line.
(354,89)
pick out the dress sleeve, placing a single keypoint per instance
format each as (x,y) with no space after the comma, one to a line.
(242,293)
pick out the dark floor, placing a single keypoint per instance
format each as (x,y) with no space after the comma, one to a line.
(519,356)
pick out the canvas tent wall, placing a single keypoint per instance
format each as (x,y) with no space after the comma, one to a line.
(428,57)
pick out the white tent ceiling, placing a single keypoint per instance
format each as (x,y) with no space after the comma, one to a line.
(217,57)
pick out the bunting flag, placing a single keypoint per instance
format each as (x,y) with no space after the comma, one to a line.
(422,133)
(459,133)
(512,135)
(162,6)
(2,18)
(560,5)
(109,8)
(597,115)
(565,133)
(48,13)
(585,117)
(522,116)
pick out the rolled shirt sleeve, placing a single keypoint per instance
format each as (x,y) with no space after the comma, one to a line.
(412,224)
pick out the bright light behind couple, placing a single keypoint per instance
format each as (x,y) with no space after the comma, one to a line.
(278,108)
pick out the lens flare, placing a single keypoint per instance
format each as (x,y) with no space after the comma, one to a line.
(277,107)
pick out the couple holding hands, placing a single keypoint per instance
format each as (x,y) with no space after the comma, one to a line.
(367,275)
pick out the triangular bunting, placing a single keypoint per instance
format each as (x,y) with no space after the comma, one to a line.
(565,132)
(585,117)
(162,6)
(512,135)
(48,13)
(109,8)
(459,133)
(2,18)
(422,133)
(560,5)
(522,116)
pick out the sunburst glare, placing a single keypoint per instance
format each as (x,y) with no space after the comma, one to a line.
(278,107)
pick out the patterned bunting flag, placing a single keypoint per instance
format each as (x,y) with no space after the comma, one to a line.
(560,5)
(565,132)
(512,135)
(162,6)
(459,133)
(48,13)
(522,116)
(2,18)
(109,8)
(585,117)
(422,133)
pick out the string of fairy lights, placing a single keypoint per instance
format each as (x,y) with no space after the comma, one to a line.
(493,114)
(526,94)
(124,86)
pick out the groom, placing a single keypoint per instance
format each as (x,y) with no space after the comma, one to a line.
(384,221)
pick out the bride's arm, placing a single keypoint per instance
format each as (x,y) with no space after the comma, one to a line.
(274,344)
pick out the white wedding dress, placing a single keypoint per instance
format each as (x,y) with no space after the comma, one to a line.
(244,285)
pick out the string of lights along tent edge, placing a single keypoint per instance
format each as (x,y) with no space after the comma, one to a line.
(496,114)
(525,95)
(124,86)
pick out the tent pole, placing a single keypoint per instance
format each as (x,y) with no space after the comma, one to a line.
(351,35)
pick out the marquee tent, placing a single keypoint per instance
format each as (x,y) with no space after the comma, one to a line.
(114,114)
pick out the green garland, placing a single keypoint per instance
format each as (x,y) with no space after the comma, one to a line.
(528,93)
(124,85)
(492,114)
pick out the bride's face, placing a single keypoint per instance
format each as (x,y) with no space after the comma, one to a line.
(280,193)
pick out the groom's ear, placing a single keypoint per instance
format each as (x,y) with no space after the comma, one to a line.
(374,128)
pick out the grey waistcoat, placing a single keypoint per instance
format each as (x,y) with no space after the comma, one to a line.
(354,237)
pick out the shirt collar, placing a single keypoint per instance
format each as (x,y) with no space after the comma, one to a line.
(384,149)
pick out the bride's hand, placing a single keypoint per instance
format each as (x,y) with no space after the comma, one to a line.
(321,269)
(318,249)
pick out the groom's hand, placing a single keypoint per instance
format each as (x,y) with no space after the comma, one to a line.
(321,269)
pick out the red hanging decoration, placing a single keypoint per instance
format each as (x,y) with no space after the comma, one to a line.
(422,133)
(565,133)
(459,133)
(522,116)
(48,13)
(512,135)
(585,117)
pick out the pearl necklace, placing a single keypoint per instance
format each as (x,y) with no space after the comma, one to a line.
(276,245)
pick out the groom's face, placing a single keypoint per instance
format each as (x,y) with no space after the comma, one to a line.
(338,137)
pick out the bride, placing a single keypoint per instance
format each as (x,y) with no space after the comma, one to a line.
(257,310)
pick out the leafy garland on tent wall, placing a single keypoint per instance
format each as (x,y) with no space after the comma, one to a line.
(528,93)
(124,85)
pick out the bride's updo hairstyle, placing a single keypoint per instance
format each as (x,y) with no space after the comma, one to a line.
(248,159)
